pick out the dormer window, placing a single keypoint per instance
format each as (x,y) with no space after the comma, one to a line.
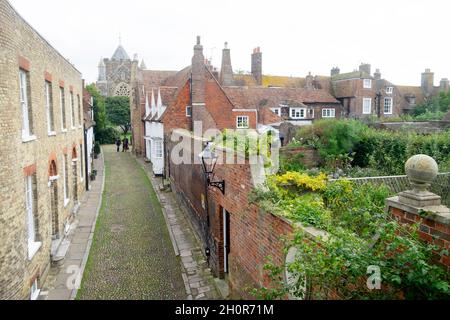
(367,83)
(277,111)
(298,113)
(389,90)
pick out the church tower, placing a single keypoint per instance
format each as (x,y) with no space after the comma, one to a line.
(114,75)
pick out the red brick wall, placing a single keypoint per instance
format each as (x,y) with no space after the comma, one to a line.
(254,234)
(175,115)
(430,231)
(310,157)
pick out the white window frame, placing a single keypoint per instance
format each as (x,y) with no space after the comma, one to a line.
(369,111)
(27,135)
(81,163)
(65,180)
(48,102)
(62,105)
(34,290)
(389,90)
(329,113)
(293,113)
(80,112)
(189,111)
(158,151)
(277,111)
(241,123)
(367,83)
(33,245)
(391,106)
(72,109)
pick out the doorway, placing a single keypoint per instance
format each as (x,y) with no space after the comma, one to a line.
(226,241)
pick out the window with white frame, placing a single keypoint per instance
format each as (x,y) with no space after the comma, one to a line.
(388,102)
(25,102)
(49,107)
(81,162)
(367,83)
(277,111)
(66,179)
(63,109)
(80,122)
(72,107)
(389,90)
(34,290)
(329,113)
(242,122)
(189,111)
(158,149)
(367,105)
(31,213)
(298,113)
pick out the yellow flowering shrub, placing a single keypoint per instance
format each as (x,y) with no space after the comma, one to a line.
(302,181)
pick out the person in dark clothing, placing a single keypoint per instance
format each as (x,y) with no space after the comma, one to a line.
(125,145)
(118,143)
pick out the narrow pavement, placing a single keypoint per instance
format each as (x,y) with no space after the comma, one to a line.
(132,256)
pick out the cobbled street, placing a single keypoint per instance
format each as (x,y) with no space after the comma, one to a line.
(131,256)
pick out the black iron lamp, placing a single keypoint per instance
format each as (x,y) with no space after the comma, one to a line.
(209,161)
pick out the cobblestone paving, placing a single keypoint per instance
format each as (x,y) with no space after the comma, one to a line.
(199,282)
(132,256)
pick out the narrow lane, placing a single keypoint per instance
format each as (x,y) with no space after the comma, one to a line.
(131,255)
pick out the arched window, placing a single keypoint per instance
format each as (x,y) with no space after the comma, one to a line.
(122,90)
(53,171)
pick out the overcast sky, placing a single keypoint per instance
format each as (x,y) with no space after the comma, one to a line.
(402,38)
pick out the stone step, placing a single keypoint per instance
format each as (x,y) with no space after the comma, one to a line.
(61,252)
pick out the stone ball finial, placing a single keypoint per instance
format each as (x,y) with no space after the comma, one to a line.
(421,171)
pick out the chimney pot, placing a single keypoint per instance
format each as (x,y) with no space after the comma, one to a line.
(198,40)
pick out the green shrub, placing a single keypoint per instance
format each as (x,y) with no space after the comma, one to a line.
(107,135)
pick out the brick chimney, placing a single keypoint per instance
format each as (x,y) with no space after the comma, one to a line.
(444,84)
(365,67)
(335,71)
(309,82)
(257,65)
(427,82)
(226,72)
(198,74)
(377,74)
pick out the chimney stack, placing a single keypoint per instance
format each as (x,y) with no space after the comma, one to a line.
(444,84)
(335,71)
(377,74)
(427,82)
(226,72)
(198,74)
(309,81)
(257,65)
(365,67)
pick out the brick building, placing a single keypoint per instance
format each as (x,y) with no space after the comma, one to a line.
(41,176)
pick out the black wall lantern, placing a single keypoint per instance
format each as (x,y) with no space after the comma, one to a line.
(209,161)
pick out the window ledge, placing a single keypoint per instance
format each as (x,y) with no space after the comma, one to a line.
(52,134)
(29,139)
(64,130)
(66,202)
(33,248)
(35,295)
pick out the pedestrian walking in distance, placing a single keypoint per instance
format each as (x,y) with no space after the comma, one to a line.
(118,143)
(125,145)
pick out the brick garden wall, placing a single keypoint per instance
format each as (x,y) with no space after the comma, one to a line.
(310,157)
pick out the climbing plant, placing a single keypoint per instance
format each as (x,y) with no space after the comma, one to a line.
(359,237)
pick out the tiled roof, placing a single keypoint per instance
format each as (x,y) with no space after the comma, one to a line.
(120,54)
(257,97)
(351,75)
(155,78)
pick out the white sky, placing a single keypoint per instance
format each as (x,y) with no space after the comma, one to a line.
(401,37)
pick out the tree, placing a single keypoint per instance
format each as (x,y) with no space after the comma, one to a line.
(118,112)
(99,109)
